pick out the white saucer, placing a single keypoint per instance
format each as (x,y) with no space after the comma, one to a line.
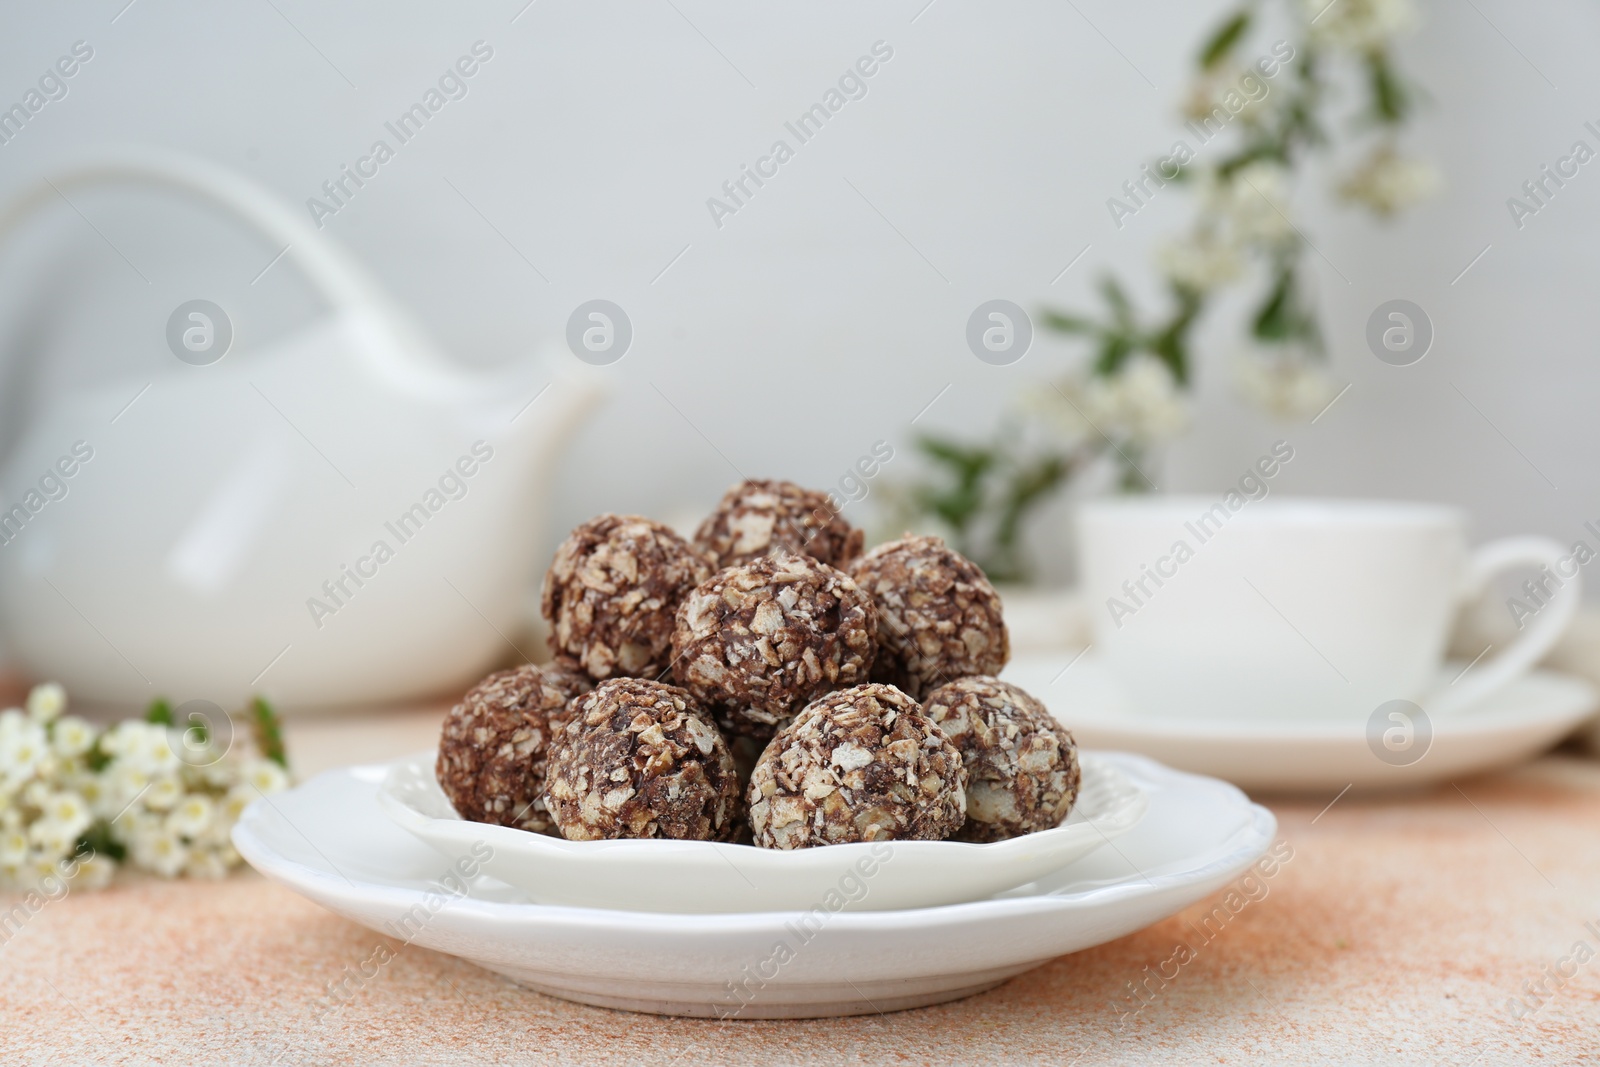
(708,876)
(328,840)
(1520,721)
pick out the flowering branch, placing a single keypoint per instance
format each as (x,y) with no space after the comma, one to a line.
(1259,121)
(75,801)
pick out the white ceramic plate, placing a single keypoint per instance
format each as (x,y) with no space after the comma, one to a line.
(704,876)
(328,841)
(1301,755)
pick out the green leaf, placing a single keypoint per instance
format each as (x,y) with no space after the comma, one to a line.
(97,840)
(1266,146)
(968,465)
(957,506)
(1284,316)
(964,458)
(1121,306)
(1115,348)
(1390,101)
(1133,480)
(1274,320)
(159,712)
(1171,345)
(1222,42)
(268,731)
(96,757)
(1029,484)
(1068,323)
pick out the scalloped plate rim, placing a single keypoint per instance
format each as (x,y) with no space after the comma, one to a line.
(992,866)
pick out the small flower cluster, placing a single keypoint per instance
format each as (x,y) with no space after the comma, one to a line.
(1388,183)
(1247,209)
(1140,404)
(1360,25)
(1284,382)
(141,792)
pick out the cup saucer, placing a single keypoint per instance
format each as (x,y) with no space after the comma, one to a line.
(1307,755)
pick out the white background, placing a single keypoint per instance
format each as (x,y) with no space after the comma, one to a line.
(807,327)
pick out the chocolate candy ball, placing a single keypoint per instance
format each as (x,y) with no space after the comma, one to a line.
(861,764)
(755,518)
(1022,765)
(493,747)
(612,591)
(756,643)
(638,759)
(939,619)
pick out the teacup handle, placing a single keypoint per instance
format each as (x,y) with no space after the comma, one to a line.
(1539,633)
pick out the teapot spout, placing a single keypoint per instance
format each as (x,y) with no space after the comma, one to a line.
(537,433)
(540,430)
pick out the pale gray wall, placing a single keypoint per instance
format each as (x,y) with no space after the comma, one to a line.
(806,328)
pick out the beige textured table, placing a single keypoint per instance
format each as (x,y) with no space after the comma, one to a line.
(1400,932)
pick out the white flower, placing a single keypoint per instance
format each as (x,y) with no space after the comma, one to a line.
(265,776)
(190,815)
(46,701)
(97,792)
(41,867)
(24,750)
(1288,384)
(72,737)
(1255,201)
(157,752)
(1059,407)
(1141,403)
(238,798)
(195,755)
(94,873)
(70,810)
(36,794)
(1200,262)
(160,851)
(206,863)
(53,838)
(218,775)
(1388,182)
(13,848)
(117,739)
(137,822)
(1359,25)
(123,785)
(144,745)
(163,793)
(216,834)
(1235,92)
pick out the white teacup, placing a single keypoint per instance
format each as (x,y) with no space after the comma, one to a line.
(1227,607)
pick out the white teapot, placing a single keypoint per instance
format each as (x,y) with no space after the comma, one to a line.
(343,517)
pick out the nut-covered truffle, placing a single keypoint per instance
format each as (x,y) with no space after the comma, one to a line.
(758,642)
(637,759)
(861,764)
(494,744)
(939,619)
(755,518)
(612,591)
(1022,765)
